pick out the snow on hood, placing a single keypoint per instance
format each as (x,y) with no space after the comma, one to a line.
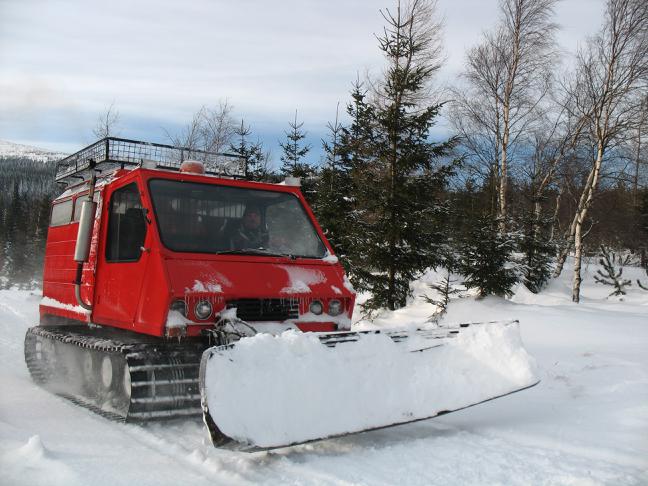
(199,286)
(300,279)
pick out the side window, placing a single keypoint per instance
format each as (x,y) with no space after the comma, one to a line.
(61,213)
(126,225)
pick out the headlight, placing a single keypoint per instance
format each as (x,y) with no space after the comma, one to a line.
(203,310)
(335,307)
(180,306)
(316,307)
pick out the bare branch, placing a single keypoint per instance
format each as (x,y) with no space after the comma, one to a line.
(210,129)
(107,123)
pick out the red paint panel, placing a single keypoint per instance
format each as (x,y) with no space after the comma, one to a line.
(317,326)
(155,297)
(119,284)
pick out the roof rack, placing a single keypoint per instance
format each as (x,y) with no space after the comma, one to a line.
(111,153)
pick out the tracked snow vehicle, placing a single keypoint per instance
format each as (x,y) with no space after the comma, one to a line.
(173,286)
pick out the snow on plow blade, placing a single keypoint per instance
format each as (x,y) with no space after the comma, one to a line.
(271,391)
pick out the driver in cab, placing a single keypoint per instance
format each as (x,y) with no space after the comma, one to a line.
(250,233)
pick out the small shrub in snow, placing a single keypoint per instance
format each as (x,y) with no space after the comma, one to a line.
(445,289)
(611,275)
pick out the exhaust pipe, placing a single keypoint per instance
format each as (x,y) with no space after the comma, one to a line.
(84,236)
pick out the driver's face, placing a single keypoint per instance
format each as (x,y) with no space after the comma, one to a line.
(252,219)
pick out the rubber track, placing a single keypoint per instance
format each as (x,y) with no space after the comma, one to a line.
(162,379)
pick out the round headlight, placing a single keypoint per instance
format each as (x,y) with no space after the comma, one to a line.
(335,307)
(316,307)
(203,310)
(180,306)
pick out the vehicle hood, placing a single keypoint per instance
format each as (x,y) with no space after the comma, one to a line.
(258,279)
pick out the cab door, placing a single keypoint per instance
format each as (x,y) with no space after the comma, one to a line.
(124,260)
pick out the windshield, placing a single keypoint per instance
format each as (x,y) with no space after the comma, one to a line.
(207,218)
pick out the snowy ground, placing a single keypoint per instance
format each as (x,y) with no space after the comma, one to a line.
(585,424)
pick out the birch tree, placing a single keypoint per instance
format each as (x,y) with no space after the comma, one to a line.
(211,129)
(218,127)
(107,123)
(189,135)
(507,75)
(637,148)
(611,70)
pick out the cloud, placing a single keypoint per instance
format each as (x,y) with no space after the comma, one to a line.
(62,62)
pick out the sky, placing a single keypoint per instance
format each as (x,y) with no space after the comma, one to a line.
(64,62)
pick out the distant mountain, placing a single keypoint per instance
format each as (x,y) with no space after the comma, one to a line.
(11,150)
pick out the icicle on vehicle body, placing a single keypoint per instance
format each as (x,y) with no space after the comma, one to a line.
(174,287)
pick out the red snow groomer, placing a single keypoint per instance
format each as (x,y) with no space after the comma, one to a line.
(161,257)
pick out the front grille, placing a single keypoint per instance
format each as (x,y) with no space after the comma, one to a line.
(265,309)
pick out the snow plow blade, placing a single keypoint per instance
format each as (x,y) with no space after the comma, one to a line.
(267,391)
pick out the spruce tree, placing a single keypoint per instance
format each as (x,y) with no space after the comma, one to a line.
(486,259)
(356,139)
(444,290)
(538,251)
(38,227)
(347,159)
(255,161)
(642,223)
(16,240)
(398,189)
(294,151)
(333,187)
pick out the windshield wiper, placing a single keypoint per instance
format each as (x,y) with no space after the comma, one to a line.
(255,251)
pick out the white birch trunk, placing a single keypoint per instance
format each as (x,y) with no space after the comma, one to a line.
(583,207)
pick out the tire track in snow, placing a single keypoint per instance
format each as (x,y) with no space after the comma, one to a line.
(167,443)
(433,453)
(18,311)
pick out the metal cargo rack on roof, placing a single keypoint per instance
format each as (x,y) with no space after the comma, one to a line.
(111,153)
